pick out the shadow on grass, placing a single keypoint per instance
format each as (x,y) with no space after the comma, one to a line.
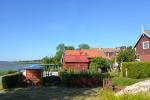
(50,93)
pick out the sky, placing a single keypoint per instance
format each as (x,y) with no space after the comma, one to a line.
(31,29)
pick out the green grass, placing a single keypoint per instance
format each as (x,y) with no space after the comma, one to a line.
(4,72)
(1,84)
(110,95)
(124,81)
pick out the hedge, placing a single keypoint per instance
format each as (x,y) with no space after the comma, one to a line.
(136,70)
(82,79)
(10,80)
(51,80)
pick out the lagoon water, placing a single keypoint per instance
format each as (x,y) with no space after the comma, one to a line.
(12,65)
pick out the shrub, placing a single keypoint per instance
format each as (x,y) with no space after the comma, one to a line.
(82,79)
(10,80)
(126,55)
(136,69)
(101,63)
(51,80)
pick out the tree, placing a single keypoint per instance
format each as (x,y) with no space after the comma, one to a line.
(84,46)
(60,51)
(60,47)
(101,63)
(46,60)
(69,48)
(126,55)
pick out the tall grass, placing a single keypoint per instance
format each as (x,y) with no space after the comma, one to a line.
(5,72)
(110,95)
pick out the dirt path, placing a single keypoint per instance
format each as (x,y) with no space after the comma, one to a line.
(51,93)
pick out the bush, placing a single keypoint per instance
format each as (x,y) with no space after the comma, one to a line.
(136,70)
(101,63)
(82,79)
(10,81)
(51,80)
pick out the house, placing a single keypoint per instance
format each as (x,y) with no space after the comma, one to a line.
(142,47)
(77,62)
(80,59)
(110,52)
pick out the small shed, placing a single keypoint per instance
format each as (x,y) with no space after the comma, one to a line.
(34,75)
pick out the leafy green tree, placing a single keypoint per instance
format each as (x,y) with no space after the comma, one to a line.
(60,51)
(126,55)
(101,63)
(69,48)
(60,47)
(46,60)
(84,46)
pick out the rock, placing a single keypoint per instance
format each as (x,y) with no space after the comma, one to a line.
(143,86)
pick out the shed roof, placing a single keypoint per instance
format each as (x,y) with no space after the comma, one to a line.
(33,67)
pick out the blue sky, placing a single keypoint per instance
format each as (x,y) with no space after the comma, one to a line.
(31,29)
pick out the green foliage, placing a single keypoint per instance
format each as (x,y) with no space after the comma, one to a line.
(69,48)
(126,55)
(10,80)
(51,80)
(101,63)
(93,67)
(48,60)
(122,81)
(136,69)
(110,95)
(60,51)
(84,46)
(82,79)
(5,72)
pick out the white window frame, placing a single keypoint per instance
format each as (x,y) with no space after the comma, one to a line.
(144,43)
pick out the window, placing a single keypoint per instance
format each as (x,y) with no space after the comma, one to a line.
(146,45)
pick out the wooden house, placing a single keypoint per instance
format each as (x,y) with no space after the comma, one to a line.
(142,47)
(80,59)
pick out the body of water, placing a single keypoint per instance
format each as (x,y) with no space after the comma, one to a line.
(12,66)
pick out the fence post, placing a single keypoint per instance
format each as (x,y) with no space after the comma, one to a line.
(126,72)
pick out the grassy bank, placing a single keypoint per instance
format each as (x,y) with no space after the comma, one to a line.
(1,83)
(5,72)
(124,81)
(110,95)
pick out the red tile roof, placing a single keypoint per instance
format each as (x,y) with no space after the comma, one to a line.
(75,58)
(90,53)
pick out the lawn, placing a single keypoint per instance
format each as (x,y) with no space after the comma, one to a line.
(51,93)
(0,83)
(124,81)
